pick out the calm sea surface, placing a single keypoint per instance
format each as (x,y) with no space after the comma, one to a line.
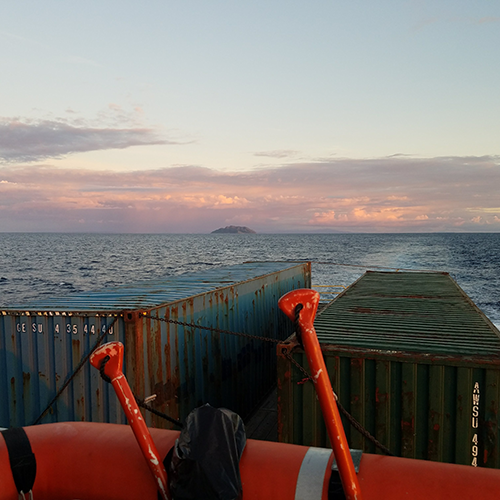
(35,265)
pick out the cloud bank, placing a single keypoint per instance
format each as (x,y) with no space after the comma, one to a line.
(29,141)
(395,194)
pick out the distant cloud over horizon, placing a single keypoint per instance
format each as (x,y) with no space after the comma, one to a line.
(281,153)
(23,140)
(381,195)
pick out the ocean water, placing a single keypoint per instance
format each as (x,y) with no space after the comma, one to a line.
(37,265)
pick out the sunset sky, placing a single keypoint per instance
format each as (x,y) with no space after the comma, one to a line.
(283,116)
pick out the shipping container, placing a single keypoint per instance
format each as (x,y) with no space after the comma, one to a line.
(44,345)
(413,360)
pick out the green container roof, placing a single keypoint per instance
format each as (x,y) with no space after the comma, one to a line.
(410,312)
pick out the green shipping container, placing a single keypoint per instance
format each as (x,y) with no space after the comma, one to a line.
(413,360)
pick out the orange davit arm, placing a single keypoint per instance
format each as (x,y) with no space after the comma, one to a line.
(109,359)
(302,305)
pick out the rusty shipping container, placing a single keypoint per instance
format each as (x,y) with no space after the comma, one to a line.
(413,360)
(43,343)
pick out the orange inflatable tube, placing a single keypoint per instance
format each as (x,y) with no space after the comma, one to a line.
(83,460)
(91,461)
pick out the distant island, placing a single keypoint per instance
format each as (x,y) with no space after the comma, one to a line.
(234,230)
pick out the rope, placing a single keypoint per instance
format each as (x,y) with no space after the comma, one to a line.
(140,402)
(212,329)
(363,431)
(297,365)
(75,371)
(102,367)
(342,410)
(308,377)
(144,405)
(298,333)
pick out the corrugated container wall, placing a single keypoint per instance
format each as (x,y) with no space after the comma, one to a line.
(42,345)
(413,360)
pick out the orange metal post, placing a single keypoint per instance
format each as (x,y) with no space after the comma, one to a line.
(114,370)
(309,299)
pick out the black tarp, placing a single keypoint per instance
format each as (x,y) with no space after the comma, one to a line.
(204,463)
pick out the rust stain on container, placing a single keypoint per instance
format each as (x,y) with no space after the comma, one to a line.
(166,392)
(13,393)
(80,404)
(26,385)
(76,348)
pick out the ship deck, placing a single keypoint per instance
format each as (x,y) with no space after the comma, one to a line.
(263,424)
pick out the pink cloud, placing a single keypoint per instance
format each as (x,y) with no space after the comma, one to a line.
(324,218)
(391,194)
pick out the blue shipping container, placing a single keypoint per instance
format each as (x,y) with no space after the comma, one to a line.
(43,343)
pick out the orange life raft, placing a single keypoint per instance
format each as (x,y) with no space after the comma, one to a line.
(83,460)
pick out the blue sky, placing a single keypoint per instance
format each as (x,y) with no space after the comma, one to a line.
(188,116)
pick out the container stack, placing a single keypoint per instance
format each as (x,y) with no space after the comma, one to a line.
(413,360)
